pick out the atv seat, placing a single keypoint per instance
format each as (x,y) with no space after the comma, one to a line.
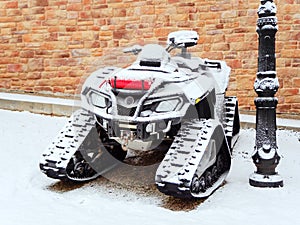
(192,64)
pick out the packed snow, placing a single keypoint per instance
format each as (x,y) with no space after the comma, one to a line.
(35,99)
(28,197)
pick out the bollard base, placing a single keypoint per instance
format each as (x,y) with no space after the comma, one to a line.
(268,181)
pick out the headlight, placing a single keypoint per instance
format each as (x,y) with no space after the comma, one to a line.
(98,100)
(167,106)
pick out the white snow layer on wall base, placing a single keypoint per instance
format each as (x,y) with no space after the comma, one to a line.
(65,107)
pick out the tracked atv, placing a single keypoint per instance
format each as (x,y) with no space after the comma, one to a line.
(179,100)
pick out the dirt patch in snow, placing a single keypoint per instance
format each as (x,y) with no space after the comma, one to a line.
(135,182)
(178,204)
(65,186)
(131,193)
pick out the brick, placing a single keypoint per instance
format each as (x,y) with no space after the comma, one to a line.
(291,8)
(241,13)
(56,29)
(245,102)
(217,7)
(119,12)
(14,12)
(105,12)
(209,16)
(85,15)
(220,47)
(62,54)
(292,99)
(5,61)
(86,2)
(51,45)
(43,89)
(243,30)
(296,106)
(162,32)
(34,76)
(5,84)
(83,35)
(12,5)
(212,55)
(10,19)
(245,82)
(35,65)
(229,14)
(12,68)
(71,28)
(234,64)
(119,34)
(55,14)
(84,24)
(290,53)
(214,32)
(113,1)
(236,38)
(179,17)
(251,37)
(63,81)
(74,7)
(243,46)
(283,107)
(33,37)
(80,53)
(59,89)
(27,54)
(288,91)
(296,82)
(38,10)
(40,3)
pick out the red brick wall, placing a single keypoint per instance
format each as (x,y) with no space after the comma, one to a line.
(46,46)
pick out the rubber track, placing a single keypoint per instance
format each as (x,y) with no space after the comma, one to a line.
(55,159)
(229,112)
(176,171)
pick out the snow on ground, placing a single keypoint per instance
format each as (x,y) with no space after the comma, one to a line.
(26,198)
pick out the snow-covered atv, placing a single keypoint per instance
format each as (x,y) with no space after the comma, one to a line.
(159,99)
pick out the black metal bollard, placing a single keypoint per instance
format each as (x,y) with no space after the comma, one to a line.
(265,155)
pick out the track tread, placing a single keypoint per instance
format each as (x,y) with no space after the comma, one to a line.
(231,120)
(175,173)
(58,154)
